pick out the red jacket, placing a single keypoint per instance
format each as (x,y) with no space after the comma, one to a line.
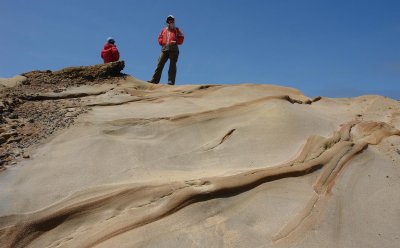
(170,37)
(110,53)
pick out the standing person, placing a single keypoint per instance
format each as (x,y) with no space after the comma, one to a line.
(110,52)
(169,39)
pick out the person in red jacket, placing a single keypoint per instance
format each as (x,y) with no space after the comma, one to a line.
(110,52)
(169,39)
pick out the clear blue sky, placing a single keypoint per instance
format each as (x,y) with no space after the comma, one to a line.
(335,48)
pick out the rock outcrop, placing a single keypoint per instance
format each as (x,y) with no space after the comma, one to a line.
(147,165)
(35,105)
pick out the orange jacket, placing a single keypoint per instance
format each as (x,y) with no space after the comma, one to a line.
(110,53)
(170,37)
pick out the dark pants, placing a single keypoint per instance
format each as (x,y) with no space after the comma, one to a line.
(164,56)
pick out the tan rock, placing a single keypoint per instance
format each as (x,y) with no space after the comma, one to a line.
(217,166)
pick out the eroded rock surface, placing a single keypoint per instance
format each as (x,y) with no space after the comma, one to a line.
(204,166)
(37,104)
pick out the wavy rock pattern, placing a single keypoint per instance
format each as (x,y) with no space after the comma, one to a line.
(130,206)
(98,215)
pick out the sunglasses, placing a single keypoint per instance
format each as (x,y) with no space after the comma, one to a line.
(170,20)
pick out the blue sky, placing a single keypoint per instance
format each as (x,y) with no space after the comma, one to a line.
(333,48)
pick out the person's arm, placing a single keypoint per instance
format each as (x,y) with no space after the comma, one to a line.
(180,37)
(160,38)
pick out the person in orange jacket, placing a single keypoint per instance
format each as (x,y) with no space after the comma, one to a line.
(110,52)
(169,39)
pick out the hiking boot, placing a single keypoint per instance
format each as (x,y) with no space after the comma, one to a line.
(170,83)
(151,82)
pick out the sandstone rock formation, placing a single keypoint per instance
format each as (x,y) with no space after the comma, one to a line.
(246,165)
